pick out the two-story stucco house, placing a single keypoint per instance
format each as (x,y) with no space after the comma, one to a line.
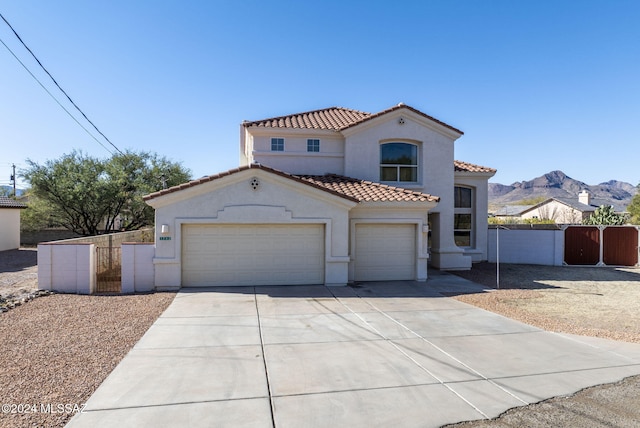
(327,197)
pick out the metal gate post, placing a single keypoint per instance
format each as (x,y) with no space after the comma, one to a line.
(601,231)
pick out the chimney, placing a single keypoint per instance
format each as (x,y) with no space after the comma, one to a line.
(584,197)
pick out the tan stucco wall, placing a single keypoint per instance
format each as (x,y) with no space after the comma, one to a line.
(231,200)
(360,146)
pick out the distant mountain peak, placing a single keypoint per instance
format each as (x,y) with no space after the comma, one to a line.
(557,184)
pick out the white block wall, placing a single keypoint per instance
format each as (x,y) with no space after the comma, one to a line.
(138,273)
(535,247)
(67,268)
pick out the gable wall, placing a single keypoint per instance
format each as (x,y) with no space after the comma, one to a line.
(362,151)
(232,200)
(556,211)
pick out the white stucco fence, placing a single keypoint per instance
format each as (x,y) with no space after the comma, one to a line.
(71,268)
(528,246)
(138,273)
(67,268)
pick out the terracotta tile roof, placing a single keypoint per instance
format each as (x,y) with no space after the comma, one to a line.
(368,191)
(460,166)
(208,178)
(332,118)
(345,187)
(10,203)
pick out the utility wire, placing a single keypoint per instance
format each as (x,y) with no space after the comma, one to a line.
(59,87)
(54,98)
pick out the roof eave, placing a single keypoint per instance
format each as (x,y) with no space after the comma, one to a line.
(421,205)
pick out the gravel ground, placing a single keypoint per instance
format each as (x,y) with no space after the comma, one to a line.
(56,350)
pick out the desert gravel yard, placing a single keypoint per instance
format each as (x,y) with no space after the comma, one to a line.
(591,301)
(57,349)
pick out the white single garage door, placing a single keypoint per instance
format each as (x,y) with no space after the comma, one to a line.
(252,254)
(385,252)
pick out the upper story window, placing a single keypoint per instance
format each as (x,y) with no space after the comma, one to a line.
(462,197)
(277,144)
(313,145)
(399,162)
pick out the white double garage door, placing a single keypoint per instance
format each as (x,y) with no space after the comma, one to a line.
(290,254)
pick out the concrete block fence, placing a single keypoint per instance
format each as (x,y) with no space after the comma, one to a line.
(138,274)
(69,266)
(526,246)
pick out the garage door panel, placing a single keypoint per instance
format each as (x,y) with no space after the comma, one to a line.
(385,252)
(252,255)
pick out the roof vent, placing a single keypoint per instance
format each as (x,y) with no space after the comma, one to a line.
(254,183)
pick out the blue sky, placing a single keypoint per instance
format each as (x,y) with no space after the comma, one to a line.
(535,85)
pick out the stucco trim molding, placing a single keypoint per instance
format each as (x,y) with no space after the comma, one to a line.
(253,214)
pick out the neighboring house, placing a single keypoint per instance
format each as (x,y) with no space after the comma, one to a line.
(330,196)
(509,212)
(10,223)
(565,210)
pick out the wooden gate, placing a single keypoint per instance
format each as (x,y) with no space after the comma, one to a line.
(108,270)
(620,246)
(581,245)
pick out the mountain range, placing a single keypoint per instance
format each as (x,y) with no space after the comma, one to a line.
(8,190)
(556,184)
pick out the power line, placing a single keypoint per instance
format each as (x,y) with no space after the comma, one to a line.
(59,87)
(54,98)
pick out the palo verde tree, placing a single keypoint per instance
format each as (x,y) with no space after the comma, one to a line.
(606,216)
(92,196)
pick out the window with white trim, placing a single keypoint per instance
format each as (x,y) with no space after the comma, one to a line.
(277,144)
(313,145)
(463,216)
(399,162)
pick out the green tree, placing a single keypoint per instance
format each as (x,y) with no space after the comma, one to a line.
(634,208)
(606,216)
(38,215)
(91,196)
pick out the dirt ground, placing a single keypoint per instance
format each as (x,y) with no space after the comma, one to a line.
(18,273)
(591,301)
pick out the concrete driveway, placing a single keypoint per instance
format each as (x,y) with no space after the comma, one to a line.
(374,355)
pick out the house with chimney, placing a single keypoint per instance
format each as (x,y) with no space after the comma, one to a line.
(563,210)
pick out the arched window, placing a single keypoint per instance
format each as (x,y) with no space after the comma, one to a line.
(399,162)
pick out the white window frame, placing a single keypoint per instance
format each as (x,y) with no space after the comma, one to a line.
(277,144)
(313,145)
(398,167)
